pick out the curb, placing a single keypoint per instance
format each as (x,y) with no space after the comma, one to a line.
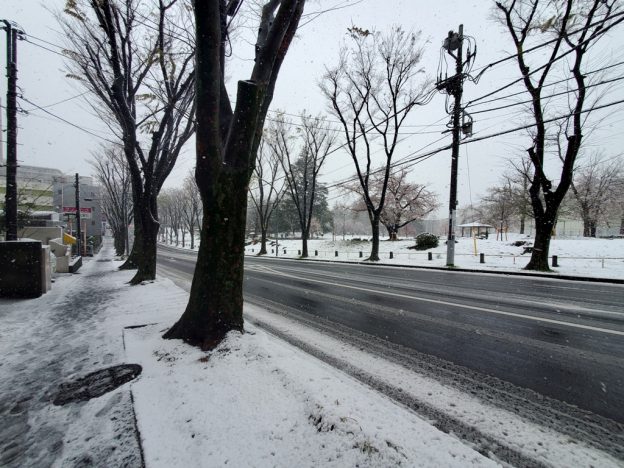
(588,279)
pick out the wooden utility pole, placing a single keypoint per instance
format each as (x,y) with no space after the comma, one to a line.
(10,200)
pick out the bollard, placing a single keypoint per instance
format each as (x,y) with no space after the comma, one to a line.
(481,258)
(316,253)
(299,252)
(251,250)
(554,261)
(391,256)
(271,250)
(336,253)
(429,256)
(360,254)
(284,251)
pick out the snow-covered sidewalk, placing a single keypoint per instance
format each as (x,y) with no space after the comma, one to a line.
(68,332)
(254,401)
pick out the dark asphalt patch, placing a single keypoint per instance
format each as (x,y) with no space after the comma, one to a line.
(96,384)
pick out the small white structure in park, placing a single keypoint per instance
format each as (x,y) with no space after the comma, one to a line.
(475,229)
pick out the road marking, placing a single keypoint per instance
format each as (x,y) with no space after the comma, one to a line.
(452,304)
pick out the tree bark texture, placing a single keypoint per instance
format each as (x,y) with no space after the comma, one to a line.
(374,255)
(226,146)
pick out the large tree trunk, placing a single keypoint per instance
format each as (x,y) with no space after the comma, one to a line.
(263,241)
(304,243)
(132,262)
(216,300)
(215,304)
(543,231)
(145,250)
(374,255)
(119,236)
(589,227)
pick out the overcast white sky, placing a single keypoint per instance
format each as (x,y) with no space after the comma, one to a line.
(45,141)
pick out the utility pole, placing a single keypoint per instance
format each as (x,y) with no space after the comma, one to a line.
(78,220)
(10,205)
(454,86)
(458,91)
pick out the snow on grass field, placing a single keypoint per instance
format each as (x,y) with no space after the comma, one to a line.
(588,257)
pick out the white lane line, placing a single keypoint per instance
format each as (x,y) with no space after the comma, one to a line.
(452,304)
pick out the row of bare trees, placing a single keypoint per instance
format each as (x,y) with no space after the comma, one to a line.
(596,195)
(180,213)
(136,57)
(157,75)
(290,159)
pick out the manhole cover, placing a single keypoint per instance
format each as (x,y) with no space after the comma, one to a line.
(96,383)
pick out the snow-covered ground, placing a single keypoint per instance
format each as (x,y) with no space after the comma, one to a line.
(254,401)
(600,258)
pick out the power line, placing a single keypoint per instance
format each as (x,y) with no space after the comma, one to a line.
(44,48)
(548,84)
(421,157)
(561,93)
(555,59)
(69,123)
(539,46)
(59,102)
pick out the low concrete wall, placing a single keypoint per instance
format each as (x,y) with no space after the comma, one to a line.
(43,234)
(21,269)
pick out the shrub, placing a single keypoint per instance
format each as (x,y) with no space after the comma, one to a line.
(426,241)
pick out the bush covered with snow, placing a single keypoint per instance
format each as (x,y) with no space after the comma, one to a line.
(426,241)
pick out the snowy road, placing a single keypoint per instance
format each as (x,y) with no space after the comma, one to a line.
(562,339)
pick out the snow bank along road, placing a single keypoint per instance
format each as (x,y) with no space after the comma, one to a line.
(501,338)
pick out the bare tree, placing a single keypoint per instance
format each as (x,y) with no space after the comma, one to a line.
(135,58)
(595,190)
(113,175)
(226,147)
(302,173)
(575,25)
(498,207)
(191,207)
(266,190)
(371,91)
(171,205)
(519,179)
(406,202)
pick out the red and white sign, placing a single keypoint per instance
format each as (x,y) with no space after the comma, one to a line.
(85,213)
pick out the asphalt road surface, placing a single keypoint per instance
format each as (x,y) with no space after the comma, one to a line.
(562,339)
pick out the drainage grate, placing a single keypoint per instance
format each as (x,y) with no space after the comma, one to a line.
(96,383)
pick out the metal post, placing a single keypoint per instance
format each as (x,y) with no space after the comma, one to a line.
(78,220)
(10,206)
(450,243)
